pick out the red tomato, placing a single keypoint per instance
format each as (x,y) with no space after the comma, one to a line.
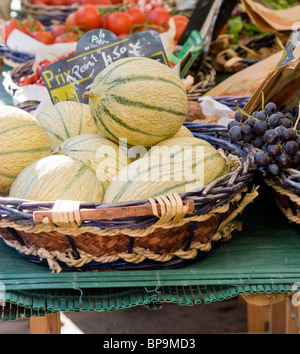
(40,2)
(40,82)
(96,2)
(137,15)
(123,35)
(115,2)
(57,30)
(59,2)
(171,64)
(43,36)
(104,21)
(8,27)
(88,16)
(71,20)
(67,37)
(119,22)
(30,25)
(180,18)
(180,27)
(25,80)
(42,65)
(159,16)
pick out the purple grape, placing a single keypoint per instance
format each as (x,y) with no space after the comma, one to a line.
(298,140)
(273,169)
(248,138)
(271,137)
(280,129)
(296,160)
(260,127)
(246,129)
(289,134)
(296,112)
(232,123)
(291,147)
(274,150)
(258,142)
(274,120)
(250,122)
(262,159)
(260,115)
(239,117)
(284,160)
(287,123)
(286,109)
(235,133)
(270,108)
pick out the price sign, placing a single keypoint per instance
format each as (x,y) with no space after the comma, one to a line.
(68,79)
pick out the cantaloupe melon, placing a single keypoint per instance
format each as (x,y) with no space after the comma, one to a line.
(183,131)
(175,165)
(57,177)
(65,119)
(194,153)
(104,157)
(144,178)
(22,141)
(138,99)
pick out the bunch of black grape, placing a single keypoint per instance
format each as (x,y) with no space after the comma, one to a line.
(274,132)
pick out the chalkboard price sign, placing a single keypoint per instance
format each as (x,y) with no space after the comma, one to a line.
(68,79)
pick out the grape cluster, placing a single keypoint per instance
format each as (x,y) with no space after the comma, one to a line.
(275,134)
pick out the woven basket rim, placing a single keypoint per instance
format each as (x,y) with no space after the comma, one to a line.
(288,179)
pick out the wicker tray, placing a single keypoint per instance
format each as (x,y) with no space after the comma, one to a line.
(164,232)
(286,188)
(49,14)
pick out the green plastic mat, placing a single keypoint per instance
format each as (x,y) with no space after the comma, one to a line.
(38,303)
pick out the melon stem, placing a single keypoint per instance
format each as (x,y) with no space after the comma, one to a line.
(88,94)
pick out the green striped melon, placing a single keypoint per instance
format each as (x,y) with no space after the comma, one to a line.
(183,131)
(175,165)
(104,156)
(22,141)
(66,119)
(144,178)
(57,177)
(138,99)
(194,153)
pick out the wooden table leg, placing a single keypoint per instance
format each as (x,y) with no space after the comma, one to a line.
(278,318)
(49,324)
(258,318)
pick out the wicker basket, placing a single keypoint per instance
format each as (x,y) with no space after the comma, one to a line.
(204,80)
(49,14)
(165,232)
(13,58)
(286,189)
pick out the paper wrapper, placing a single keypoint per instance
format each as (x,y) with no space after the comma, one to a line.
(281,86)
(269,20)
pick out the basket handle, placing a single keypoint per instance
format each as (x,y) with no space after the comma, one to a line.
(110,213)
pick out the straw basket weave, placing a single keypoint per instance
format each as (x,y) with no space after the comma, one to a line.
(47,13)
(286,188)
(163,232)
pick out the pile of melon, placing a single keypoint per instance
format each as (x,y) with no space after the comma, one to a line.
(127,143)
